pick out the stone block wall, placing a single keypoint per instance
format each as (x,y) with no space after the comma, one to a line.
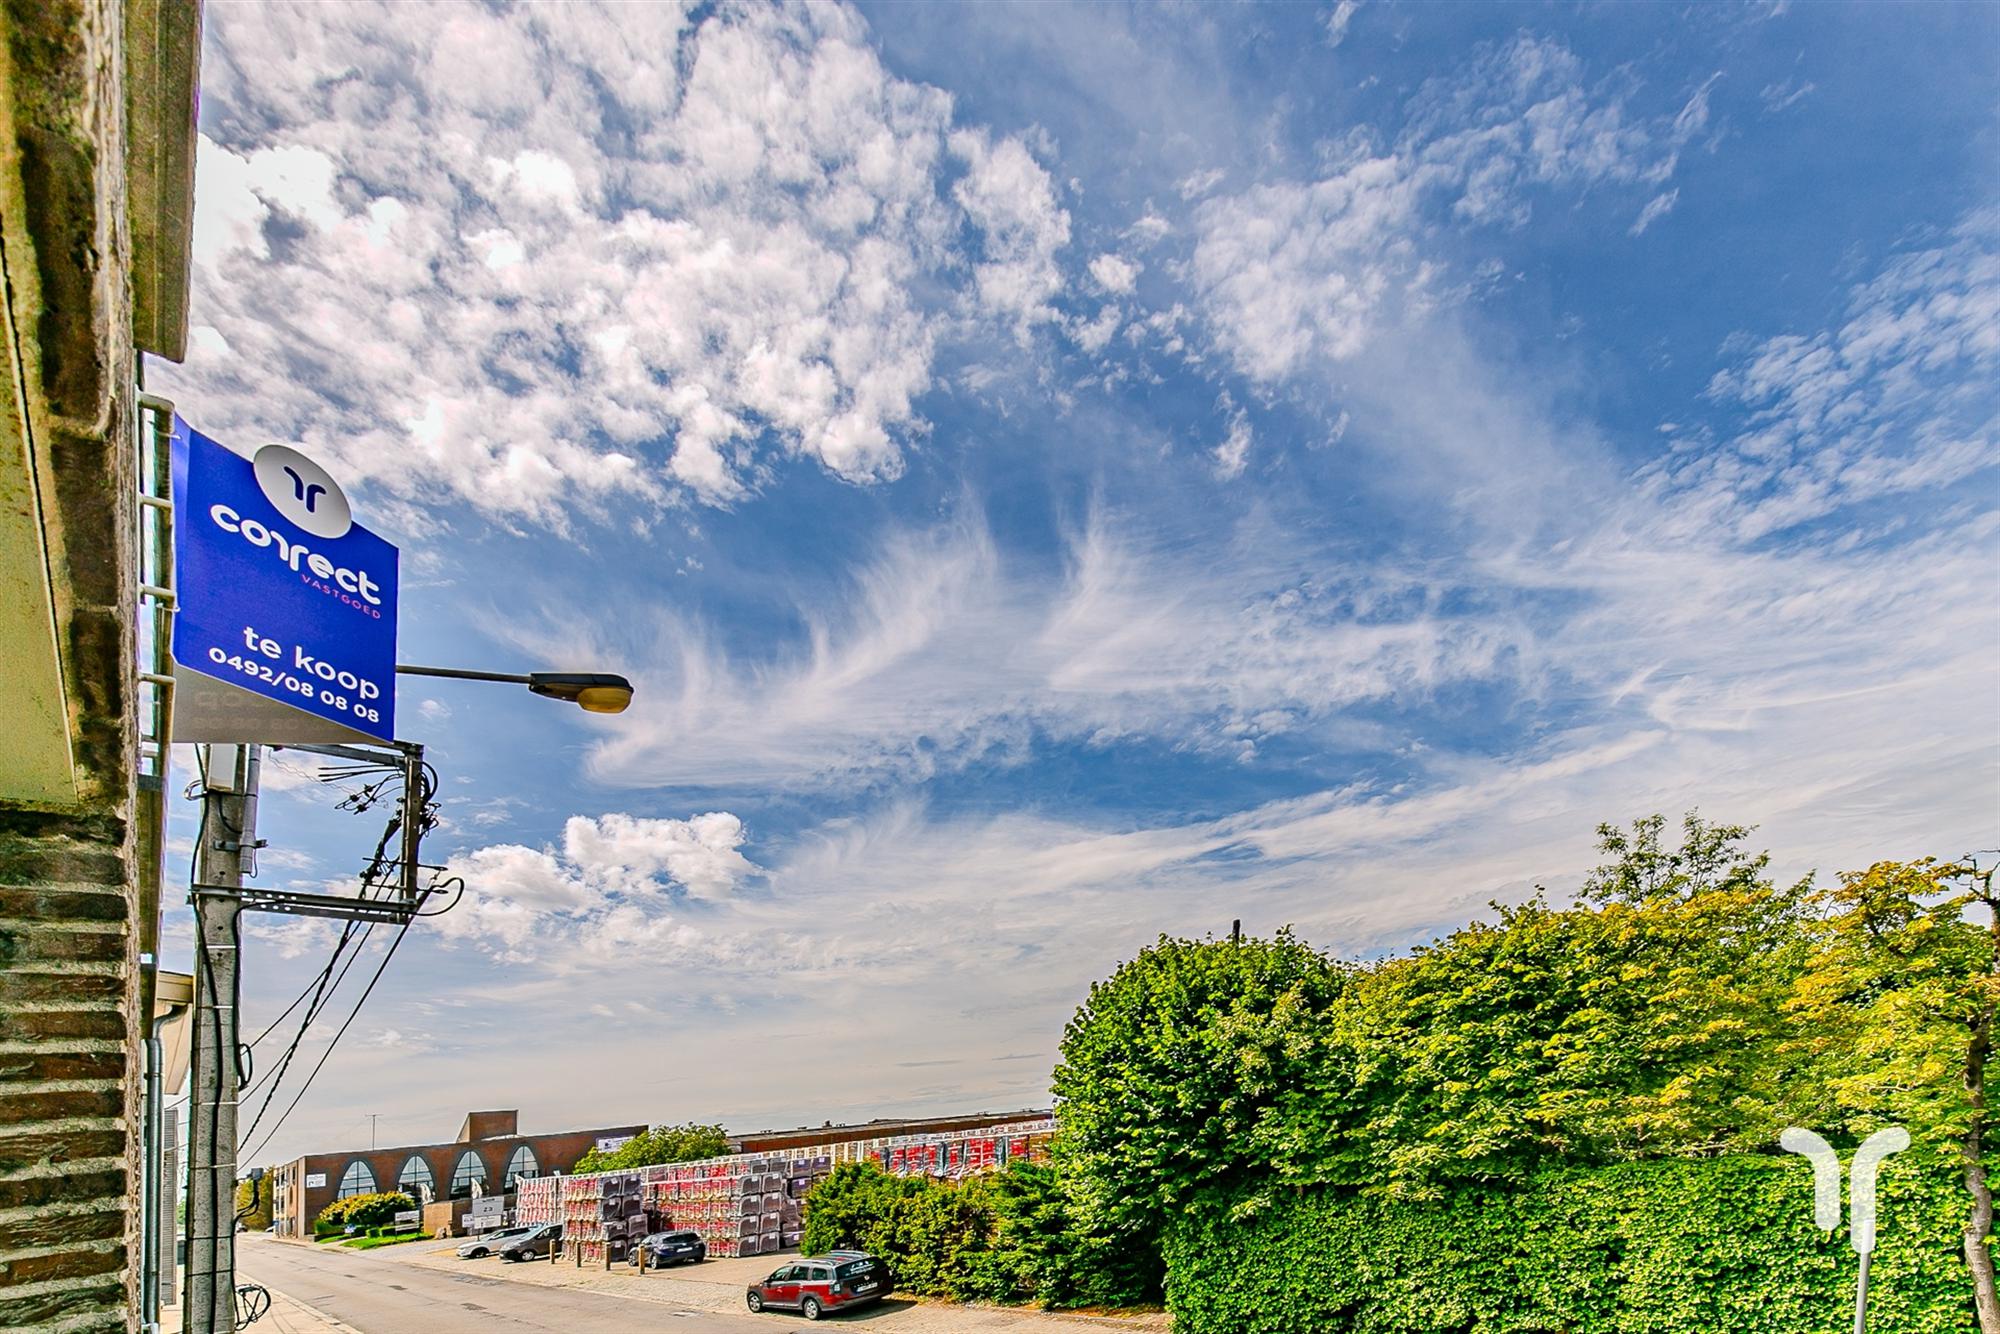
(69,977)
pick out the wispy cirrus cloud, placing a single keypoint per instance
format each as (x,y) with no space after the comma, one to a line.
(1300,271)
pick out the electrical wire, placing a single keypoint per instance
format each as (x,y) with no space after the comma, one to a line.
(419,803)
(380,968)
(322,992)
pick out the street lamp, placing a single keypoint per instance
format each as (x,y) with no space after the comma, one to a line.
(593,692)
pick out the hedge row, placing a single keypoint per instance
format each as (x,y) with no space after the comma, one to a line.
(1004,1237)
(1689,1246)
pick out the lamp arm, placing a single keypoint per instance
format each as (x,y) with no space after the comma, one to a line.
(460,674)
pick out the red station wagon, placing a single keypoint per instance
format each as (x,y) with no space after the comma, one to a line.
(821,1284)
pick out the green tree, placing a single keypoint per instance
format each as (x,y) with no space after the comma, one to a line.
(1897,1014)
(1643,869)
(1183,1075)
(254,1202)
(660,1144)
(1645,1021)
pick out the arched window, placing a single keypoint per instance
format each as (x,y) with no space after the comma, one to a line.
(416,1178)
(522,1164)
(356,1180)
(470,1170)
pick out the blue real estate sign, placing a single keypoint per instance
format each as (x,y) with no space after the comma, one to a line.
(280,593)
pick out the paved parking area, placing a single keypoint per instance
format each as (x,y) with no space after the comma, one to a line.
(716,1286)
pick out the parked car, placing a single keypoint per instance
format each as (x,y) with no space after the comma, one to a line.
(669,1248)
(534,1244)
(486,1243)
(822,1284)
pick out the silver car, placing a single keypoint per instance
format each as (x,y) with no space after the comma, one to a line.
(488,1243)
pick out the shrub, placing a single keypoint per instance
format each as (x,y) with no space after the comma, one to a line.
(1010,1237)
(363,1211)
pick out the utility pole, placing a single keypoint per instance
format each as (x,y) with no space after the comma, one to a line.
(225,853)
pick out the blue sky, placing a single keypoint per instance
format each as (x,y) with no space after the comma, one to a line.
(1063,473)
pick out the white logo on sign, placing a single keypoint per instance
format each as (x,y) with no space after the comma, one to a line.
(303,491)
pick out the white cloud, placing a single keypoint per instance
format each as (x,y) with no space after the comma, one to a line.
(943,650)
(617,880)
(1656,208)
(741,236)
(1234,452)
(1011,200)
(1294,273)
(1785,95)
(1898,398)
(1115,274)
(1337,20)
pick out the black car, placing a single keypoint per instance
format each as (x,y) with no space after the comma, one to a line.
(670,1248)
(534,1244)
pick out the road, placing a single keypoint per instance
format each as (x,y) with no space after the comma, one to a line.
(376,1295)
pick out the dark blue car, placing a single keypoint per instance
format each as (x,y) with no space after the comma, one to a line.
(670,1248)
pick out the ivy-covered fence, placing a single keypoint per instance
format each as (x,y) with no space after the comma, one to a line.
(1688,1246)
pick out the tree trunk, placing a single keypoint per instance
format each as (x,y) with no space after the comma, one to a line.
(1978,1255)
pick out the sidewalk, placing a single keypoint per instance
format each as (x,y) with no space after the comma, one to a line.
(287,1315)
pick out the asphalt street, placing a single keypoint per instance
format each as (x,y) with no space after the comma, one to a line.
(376,1295)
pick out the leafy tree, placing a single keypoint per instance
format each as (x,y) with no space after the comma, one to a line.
(1183,1074)
(1643,870)
(1898,1015)
(661,1144)
(1647,1021)
(254,1201)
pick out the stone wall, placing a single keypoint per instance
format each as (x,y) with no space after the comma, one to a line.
(69,976)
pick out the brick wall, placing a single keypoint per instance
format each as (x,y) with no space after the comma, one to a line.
(553,1153)
(69,984)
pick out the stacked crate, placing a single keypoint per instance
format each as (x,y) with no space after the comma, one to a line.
(582,1204)
(962,1153)
(621,1215)
(538,1200)
(704,1197)
(750,1205)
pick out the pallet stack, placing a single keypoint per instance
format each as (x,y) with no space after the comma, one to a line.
(538,1200)
(750,1205)
(583,1226)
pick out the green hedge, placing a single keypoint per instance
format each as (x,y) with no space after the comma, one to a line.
(1007,1236)
(1686,1246)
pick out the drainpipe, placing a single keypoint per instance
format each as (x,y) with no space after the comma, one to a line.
(149,1285)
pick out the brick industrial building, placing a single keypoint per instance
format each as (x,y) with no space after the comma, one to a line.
(96,202)
(777,1141)
(490,1152)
